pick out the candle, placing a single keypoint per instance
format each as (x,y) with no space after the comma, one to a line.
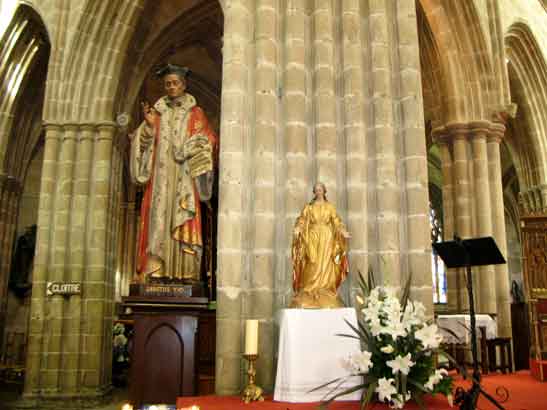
(251,337)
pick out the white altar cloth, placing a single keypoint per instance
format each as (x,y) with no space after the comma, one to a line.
(461,325)
(310,353)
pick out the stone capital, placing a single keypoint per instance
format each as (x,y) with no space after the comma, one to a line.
(87,127)
(457,130)
(70,129)
(440,135)
(497,131)
(479,129)
(52,129)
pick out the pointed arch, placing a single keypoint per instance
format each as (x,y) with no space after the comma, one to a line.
(528,79)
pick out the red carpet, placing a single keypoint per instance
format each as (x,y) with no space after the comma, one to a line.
(525,393)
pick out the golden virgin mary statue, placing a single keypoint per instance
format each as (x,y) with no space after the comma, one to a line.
(319,254)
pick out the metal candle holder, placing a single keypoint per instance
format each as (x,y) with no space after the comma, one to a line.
(252,392)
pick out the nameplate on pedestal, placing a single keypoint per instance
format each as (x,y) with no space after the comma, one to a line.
(164,290)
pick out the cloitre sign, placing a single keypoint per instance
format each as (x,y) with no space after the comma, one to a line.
(62,288)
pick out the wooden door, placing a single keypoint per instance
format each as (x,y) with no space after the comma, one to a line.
(163,359)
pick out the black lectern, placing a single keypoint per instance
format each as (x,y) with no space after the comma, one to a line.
(466,253)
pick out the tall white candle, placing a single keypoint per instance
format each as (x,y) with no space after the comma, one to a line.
(251,337)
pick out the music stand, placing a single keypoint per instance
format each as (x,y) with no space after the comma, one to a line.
(464,254)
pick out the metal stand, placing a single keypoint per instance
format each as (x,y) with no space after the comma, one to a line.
(466,253)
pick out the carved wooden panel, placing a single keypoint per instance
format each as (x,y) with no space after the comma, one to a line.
(534,242)
(163,358)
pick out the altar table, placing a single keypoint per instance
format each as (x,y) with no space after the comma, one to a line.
(461,325)
(311,353)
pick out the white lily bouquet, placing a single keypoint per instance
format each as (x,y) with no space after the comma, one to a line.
(397,362)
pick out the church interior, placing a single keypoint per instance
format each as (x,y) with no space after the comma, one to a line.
(422,121)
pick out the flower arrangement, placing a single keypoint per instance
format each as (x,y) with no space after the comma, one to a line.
(121,336)
(397,362)
(119,344)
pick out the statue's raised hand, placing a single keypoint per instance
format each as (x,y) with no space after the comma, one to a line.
(149,113)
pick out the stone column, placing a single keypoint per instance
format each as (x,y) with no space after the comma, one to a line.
(324,98)
(383,136)
(462,203)
(503,298)
(263,229)
(354,123)
(10,192)
(486,300)
(234,198)
(453,277)
(413,158)
(68,356)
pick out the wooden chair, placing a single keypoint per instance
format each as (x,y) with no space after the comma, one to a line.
(506,360)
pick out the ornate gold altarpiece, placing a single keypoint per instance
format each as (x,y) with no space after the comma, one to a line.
(534,242)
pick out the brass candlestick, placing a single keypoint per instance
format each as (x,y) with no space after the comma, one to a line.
(252,392)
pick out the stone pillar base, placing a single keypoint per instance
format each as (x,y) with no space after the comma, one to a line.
(63,401)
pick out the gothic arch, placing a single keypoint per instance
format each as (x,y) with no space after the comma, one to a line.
(528,80)
(466,71)
(23,69)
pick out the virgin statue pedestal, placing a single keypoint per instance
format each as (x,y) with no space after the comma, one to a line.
(310,353)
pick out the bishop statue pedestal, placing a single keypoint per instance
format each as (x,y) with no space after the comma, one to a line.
(172,347)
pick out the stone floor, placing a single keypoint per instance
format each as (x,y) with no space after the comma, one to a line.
(9,394)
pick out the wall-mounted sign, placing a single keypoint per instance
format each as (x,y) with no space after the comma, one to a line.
(63,288)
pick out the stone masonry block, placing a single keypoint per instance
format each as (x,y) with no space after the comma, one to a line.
(229,303)
(324,80)
(264,197)
(266,26)
(261,302)
(266,51)
(265,138)
(231,198)
(266,79)
(296,52)
(230,231)
(265,171)
(296,25)
(295,79)
(266,105)
(231,331)
(327,139)
(264,232)
(262,275)
(295,108)
(228,374)
(295,168)
(296,138)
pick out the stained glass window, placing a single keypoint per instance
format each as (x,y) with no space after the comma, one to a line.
(437,265)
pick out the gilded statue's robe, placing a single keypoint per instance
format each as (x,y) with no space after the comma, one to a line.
(319,257)
(170,239)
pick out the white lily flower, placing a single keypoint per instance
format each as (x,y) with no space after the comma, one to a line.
(385,389)
(429,336)
(401,364)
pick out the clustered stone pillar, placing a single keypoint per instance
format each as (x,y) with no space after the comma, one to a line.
(473,199)
(234,198)
(328,91)
(503,299)
(10,193)
(69,345)
(353,111)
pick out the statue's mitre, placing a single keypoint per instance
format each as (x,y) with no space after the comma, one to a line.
(172,69)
